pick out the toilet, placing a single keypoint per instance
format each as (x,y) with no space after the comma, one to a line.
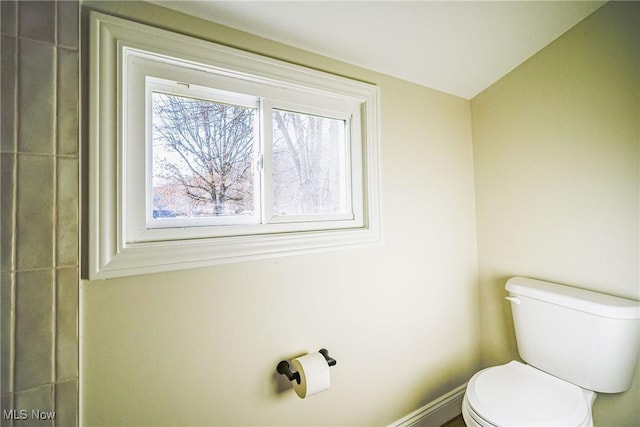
(574,343)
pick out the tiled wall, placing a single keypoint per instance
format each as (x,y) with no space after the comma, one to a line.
(39,217)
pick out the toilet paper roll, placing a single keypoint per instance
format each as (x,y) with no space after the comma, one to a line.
(314,374)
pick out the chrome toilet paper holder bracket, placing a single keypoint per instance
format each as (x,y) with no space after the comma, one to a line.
(284,368)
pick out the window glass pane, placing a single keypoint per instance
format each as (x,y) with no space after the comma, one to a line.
(309,164)
(203,153)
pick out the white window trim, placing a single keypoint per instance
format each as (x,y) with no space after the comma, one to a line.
(114,249)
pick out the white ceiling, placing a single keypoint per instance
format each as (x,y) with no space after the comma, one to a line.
(458,47)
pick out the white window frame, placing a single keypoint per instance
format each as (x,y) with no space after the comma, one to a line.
(124,56)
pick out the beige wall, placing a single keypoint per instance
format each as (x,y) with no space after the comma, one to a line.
(556,150)
(201,346)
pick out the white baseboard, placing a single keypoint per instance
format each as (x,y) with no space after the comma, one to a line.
(435,413)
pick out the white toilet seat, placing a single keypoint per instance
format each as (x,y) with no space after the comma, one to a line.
(516,394)
(471,419)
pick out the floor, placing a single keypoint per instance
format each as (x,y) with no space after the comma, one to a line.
(456,422)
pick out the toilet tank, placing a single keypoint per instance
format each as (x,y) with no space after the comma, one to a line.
(586,338)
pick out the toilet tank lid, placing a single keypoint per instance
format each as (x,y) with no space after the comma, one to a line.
(575,298)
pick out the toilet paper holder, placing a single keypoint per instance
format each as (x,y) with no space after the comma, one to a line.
(284,368)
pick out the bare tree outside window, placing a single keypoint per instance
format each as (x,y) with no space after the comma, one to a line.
(309,172)
(203,153)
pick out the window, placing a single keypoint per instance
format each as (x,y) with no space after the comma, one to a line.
(310,166)
(203,154)
(205,150)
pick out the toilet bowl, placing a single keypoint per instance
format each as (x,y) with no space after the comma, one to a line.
(516,394)
(574,342)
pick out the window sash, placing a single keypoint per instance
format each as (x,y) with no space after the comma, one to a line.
(156,85)
(351,135)
(263,162)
